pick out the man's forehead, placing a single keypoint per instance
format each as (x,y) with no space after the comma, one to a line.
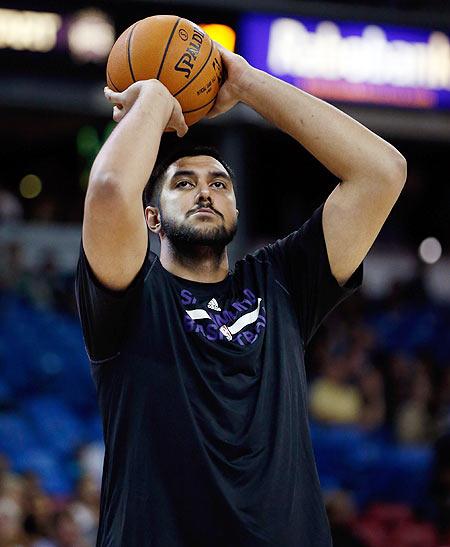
(196,163)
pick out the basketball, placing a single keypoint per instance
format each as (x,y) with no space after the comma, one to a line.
(175,51)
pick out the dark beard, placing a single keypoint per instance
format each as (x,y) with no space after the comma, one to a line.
(185,238)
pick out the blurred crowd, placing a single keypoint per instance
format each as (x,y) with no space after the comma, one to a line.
(379,367)
(385,364)
(43,286)
(45,209)
(29,517)
(383,368)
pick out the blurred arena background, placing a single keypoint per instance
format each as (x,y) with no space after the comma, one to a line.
(379,368)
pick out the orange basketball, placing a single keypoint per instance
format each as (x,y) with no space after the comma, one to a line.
(175,51)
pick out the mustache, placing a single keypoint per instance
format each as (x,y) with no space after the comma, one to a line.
(192,211)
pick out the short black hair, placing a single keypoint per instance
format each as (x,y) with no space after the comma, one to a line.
(152,190)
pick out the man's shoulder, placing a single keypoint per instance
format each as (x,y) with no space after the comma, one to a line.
(256,258)
(256,264)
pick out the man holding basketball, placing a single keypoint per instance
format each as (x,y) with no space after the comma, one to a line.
(200,370)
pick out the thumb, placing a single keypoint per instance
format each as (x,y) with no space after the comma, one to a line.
(219,47)
(112,96)
(225,53)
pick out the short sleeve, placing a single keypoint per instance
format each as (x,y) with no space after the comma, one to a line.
(301,261)
(106,314)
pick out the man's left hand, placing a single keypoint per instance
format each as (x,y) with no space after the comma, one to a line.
(237,72)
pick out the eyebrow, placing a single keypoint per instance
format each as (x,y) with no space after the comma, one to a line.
(189,173)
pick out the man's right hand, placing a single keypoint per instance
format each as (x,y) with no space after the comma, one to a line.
(153,94)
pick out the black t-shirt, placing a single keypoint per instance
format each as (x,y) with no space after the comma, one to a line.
(202,392)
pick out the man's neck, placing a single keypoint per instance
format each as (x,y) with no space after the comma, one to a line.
(200,263)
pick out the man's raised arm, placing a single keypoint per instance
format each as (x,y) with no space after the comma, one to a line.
(114,229)
(372,172)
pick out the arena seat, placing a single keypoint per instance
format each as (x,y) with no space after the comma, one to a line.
(390,515)
(16,435)
(54,476)
(6,396)
(371,533)
(374,469)
(333,446)
(414,534)
(43,352)
(55,424)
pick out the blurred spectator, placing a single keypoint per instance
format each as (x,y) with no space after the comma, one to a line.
(45,209)
(11,209)
(85,508)
(396,369)
(333,399)
(413,421)
(39,509)
(10,523)
(91,461)
(374,408)
(44,287)
(13,275)
(35,533)
(12,486)
(443,401)
(32,484)
(342,515)
(349,391)
(66,532)
(44,282)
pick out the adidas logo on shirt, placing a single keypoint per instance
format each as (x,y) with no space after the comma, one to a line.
(213,305)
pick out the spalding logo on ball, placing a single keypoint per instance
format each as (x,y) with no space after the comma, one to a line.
(175,51)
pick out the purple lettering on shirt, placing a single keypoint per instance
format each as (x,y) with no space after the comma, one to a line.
(238,306)
(250,336)
(189,324)
(250,295)
(199,328)
(261,323)
(218,319)
(212,332)
(187,297)
(230,316)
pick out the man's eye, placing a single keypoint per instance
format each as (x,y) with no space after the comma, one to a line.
(220,183)
(183,183)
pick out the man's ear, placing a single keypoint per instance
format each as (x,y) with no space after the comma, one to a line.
(237,212)
(153,219)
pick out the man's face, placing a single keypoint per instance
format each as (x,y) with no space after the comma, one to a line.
(197,203)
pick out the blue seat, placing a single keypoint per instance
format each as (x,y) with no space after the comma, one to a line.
(333,448)
(328,483)
(6,394)
(16,435)
(94,432)
(55,424)
(411,470)
(55,478)
(390,473)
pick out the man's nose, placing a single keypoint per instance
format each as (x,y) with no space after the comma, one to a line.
(203,194)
